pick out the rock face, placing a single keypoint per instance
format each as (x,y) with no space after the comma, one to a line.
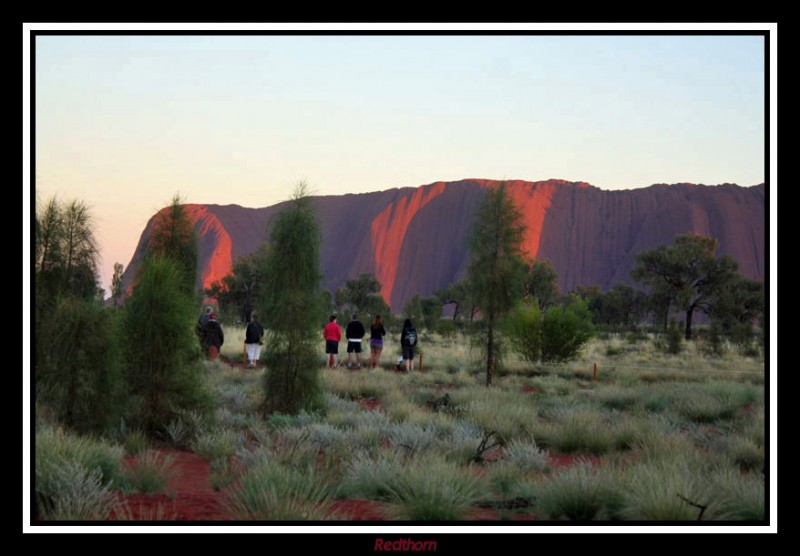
(415,239)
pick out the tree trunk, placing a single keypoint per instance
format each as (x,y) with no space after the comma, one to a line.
(688,330)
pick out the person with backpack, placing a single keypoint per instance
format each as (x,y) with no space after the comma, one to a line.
(408,341)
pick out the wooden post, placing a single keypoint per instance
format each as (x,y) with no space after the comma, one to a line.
(420,361)
(244,353)
(594,377)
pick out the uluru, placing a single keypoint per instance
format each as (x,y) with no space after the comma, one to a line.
(414,239)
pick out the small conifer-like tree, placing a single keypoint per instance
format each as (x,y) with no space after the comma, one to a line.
(163,369)
(291,303)
(496,271)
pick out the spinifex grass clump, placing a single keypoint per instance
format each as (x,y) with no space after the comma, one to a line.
(665,490)
(217,444)
(57,451)
(526,456)
(150,471)
(433,490)
(75,493)
(579,493)
(737,496)
(369,475)
(277,492)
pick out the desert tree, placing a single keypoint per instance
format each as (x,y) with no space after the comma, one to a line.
(541,284)
(66,253)
(162,357)
(361,295)
(77,367)
(291,301)
(172,235)
(496,270)
(238,292)
(459,294)
(79,375)
(116,284)
(687,273)
(737,306)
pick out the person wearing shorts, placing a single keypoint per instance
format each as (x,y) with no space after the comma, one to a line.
(377,332)
(333,335)
(355,333)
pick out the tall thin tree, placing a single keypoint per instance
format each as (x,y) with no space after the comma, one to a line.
(496,271)
(291,303)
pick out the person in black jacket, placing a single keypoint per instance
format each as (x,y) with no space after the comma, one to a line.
(408,341)
(200,328)
(214,337)
(354,334)
(253,340)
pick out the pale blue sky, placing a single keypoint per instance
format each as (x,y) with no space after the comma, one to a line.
(124,122)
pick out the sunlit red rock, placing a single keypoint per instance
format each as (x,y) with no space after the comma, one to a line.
(415,240)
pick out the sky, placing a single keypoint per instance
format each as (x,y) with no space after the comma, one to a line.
(126,122)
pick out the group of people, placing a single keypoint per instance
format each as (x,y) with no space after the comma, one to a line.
(354,334)
(211,336)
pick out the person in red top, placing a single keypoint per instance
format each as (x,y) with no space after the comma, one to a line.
(332,334)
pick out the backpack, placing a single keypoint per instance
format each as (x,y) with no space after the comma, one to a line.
(411,336)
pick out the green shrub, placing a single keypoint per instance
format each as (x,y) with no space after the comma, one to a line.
(523,328)
(565,330)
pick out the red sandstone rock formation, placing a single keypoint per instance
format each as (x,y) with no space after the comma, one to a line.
(415,239)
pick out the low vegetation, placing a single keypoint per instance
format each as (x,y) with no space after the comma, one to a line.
(652,437)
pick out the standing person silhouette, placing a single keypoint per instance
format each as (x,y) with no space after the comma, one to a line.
(376,333)
(215,337)
(408,341)
(333,335)
(354,333)
(253,340)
